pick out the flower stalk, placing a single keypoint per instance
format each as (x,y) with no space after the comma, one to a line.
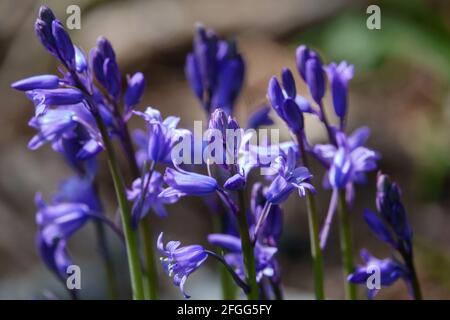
(247,249)
(346,246)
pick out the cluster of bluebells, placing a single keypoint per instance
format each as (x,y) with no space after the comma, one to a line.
(391,226)
(86,106)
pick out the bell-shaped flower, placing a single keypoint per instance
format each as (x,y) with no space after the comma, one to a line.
(380,272)
(288,179)
(162,134)
(180,262)
(339,75)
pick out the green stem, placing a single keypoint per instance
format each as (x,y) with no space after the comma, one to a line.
(125,213)
(226,280)
(247,250)
(316,251)
(152,273)
(346,246)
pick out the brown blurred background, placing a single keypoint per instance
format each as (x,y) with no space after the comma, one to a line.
(400,90)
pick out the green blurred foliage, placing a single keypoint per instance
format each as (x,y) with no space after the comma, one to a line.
(410,30)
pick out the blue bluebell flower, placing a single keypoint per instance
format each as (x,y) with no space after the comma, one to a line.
(43,29)
(182,183)
(315,78)
(68,122)
(266,264)
(143,203)
(391,208)
(288,179)
(44,98)
(180,262)
(339,76)
(105,67)
(162,135)
(133,94)
(270,231)
(215,71)
(45,81)
(283,101)
(349,161)
(390,270)
(64,45)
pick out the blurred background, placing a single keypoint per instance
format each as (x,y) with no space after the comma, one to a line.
(400,90)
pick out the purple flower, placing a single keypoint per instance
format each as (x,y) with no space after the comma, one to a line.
(162,134)
(64,46)
(270,231)
(54,255)
(339,76)
(45,81)
(143,203)
(266,265)
(315,78)
(134,92)
(182,183)
(215,71)
(43,29)
(260,117)
(350,161)
(390,270)
(105,67)
(390,205)
(284,103)
(67,123)
(43,98)
(180,262)
(288,179)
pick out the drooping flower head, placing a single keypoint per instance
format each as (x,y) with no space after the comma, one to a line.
(180,262)
(162,135)
(143,203)
(288,179)
(215,71)
(266,264)
(349,162)
(311,70)
(389,271)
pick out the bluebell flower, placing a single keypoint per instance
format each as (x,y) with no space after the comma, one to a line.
(393,226)
(390,206)
(105,67)
(182,183)
(79,190)
(64,45)
(288,179)
(180,262)
(390,271)
(64,123)
(162,135)
(44,98)
(270,231)
(54,38)
(133,94)
(45,81)
(283,101)
(143,203)
(43,29)
(266,264)
(260,117)
(315,78)
(339,76)
(349,161)
(54,255)
(215,71)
